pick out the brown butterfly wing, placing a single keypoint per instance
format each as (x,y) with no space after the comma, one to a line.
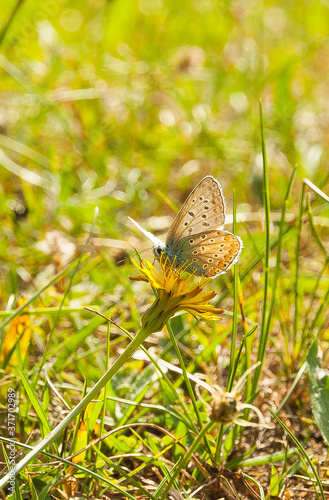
(203,210)
(211,252)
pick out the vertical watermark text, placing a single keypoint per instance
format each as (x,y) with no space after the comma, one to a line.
(12,409)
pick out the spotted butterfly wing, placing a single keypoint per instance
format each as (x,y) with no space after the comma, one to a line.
(195,236)
(208,254)
(203,210)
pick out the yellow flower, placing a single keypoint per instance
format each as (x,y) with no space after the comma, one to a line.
(174,293)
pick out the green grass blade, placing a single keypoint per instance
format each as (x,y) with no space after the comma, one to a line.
(266,200)
(188,384)
(167,380)
(67,289)
(6,27)
(246,273)
(278,253)
(108,343)
(235,309)
(36,295)
(122,473)
(71,464)
(302,451)
(262,460)
(24,150)
(297,273)
(44,492)
(185,459)
(238,356)
(292,388)
(45,428)
(258,485)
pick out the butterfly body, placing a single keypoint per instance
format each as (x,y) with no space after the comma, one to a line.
(179,255)
(196,239)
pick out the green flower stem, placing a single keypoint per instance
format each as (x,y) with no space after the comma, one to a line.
(57,431)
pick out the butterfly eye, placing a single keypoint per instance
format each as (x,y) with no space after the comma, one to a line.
(157,251)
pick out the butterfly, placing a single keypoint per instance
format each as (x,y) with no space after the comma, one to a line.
(196,238)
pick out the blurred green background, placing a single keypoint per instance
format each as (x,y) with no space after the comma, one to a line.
(128,104)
